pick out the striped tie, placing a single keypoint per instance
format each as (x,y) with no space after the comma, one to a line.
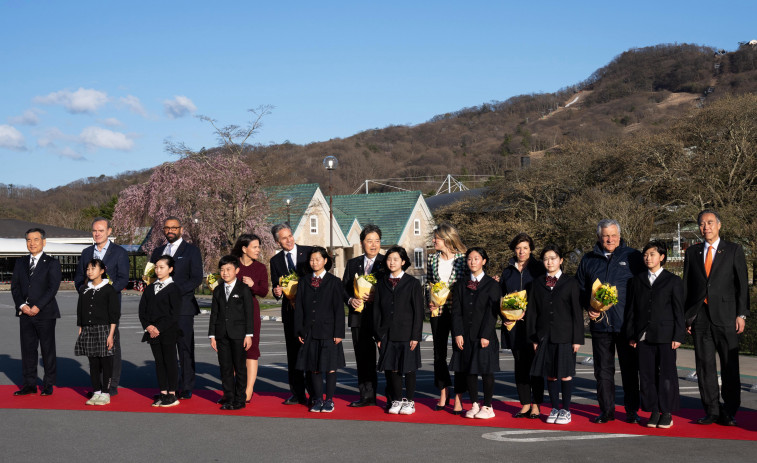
(32,267)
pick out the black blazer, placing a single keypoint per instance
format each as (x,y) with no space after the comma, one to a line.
(656,309)
(116,261)
(233,318)
(319,311)
(398,312)
(555,313)
(160,310)
(726,289)
(187,274)
(279,268)
(40,289)
(474,313)
(355,265)
(98,307)
(511,281)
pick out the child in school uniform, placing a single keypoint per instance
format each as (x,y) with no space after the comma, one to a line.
(655,326)
(230,329)
(319,324)
(475,307)
(159,315)
(556,329)
(398,324)
(97,314)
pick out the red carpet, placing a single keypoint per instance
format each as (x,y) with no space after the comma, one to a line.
(269,405)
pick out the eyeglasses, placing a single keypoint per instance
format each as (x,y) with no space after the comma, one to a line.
(550,259)
(171,228)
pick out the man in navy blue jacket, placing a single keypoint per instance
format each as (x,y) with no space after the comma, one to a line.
(611,261)
(116,261)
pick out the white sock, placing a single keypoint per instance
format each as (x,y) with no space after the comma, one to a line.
(97,392)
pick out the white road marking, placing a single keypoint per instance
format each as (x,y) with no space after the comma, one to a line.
(503,436)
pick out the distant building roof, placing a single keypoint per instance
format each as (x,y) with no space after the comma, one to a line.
(300,196)
(439,201)
(390,211)
(12,228)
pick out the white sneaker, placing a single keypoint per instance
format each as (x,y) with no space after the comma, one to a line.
(553,416)
(395,408)
(474,409)
(408,407)
(485,413)
(103,399)
(563,417)
(92,400)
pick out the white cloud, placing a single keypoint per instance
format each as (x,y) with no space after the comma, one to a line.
(84,100)
(112,122)
(69,153)
(11,138)
(97,137)
(29,117)
(180,106)
(134,105)
(52,135)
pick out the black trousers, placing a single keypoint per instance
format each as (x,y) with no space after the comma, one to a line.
(441,327)
(530,388)
(296,377)
(232,362)
(166,366)
(100,373)
(38,332)
(365,357)
(116,377)
(658,377)
(185,346)
(604,346)
(723,341)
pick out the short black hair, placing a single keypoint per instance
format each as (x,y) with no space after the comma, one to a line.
(172,217)
(708,211)
(243,241)
(228,260)
(403,255)
(481,251)
(97,263)
(34,230)
(370,228)
(324,253)
(520,238)
(551,247)
(169,261)
(659,246)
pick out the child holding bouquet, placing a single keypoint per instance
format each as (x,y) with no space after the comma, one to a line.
(475,307)
(398,326)
(319,324)
(655,326)
(555,327)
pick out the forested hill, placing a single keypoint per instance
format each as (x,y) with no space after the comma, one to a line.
(641,90)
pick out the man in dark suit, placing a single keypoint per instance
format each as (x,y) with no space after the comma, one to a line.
(230,331)
(116,261)
(187,277)
(361,323)
(716,304)
(292,258)
(34,284)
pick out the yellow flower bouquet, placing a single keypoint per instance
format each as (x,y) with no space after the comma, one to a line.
(212,280)
(364,285)
(439,295)
(148,276)
(288,284)
(603,296)
(513,307)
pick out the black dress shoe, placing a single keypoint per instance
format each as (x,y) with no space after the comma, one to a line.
(232,406)
(362,403)
(633,417)
(185,395)
(708,419)
(47,391)
(291,400)
(223,400)
(26,390)
(604,418)
(726,420)
(521,415)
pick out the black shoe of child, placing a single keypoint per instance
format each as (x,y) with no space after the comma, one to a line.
(654,419)
(666,421)
(158,398)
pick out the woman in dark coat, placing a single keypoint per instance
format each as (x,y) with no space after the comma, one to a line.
(475,306)
(556,329)
(398,325)
(517,276)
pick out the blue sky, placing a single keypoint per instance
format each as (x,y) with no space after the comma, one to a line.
(92,87)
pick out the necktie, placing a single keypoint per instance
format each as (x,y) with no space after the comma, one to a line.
(290,262)
(394,281)
(32,266)
(551,281)
(369,267)
(315,282)
(167,252)
(473,284)
(708,265)
(652,278)
(228,292)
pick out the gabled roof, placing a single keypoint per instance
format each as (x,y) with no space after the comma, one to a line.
(390,211)
(301,195)
(12,228)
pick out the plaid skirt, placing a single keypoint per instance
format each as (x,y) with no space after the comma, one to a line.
(93,341)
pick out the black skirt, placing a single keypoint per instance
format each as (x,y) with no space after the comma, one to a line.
(320,355)
(554,360)
(474,359)
(397,356)
(93,341)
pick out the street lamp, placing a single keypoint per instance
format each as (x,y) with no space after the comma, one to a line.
(330,163)
(289,215)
